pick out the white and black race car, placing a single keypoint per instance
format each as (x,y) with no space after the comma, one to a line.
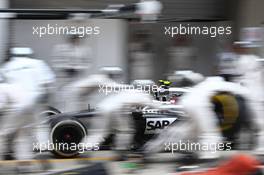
(72,127)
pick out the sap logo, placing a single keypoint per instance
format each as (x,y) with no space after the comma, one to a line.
(151,125)
(157,124)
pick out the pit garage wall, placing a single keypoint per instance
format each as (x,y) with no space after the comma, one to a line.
(248,13)
(207,48)
(3,31)
(109,48)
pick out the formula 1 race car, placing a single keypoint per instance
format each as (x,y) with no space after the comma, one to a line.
(68,128)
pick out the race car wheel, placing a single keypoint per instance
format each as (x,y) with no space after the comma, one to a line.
(66,136)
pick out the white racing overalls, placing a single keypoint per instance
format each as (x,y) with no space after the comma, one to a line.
(201,127)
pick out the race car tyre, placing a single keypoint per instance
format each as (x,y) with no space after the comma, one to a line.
(66,136)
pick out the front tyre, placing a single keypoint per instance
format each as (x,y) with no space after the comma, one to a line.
(66,136)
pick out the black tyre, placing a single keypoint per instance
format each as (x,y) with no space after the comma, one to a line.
(66,135)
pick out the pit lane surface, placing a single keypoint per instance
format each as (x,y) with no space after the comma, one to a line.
(96,163)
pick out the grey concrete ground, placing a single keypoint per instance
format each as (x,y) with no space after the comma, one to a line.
(101,162)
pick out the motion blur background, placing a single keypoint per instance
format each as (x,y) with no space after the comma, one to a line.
(140,48)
